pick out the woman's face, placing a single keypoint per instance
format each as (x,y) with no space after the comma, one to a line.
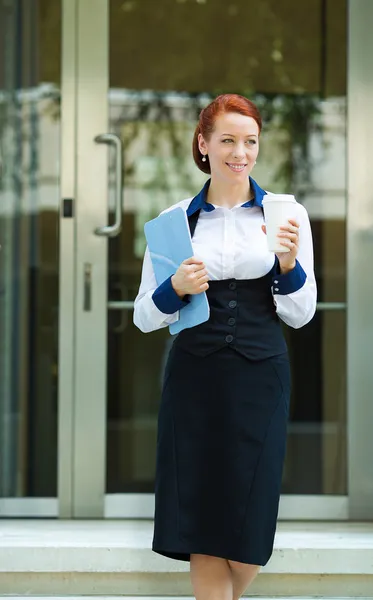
(232,148)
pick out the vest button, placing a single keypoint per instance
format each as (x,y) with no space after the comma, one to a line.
(232,304)
(229,339)
(231,321)
(232,285)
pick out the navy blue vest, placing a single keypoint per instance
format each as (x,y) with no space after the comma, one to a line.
(242,316)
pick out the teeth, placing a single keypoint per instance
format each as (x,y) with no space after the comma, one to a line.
(236,167)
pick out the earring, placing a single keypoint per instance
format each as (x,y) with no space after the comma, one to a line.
(204,158)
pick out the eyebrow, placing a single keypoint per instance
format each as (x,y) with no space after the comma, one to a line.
(248,135)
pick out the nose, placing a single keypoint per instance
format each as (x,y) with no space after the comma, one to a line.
(239,151)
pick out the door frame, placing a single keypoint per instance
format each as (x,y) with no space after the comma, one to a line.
(359,254)
(66,347)
(83,339)
(83,271)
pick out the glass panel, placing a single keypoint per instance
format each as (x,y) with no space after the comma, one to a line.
(317,437)
(29,200)
(167,60)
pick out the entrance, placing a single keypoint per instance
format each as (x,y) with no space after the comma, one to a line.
(96,123)
(145,72)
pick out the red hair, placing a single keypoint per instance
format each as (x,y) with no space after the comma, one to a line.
(226,103)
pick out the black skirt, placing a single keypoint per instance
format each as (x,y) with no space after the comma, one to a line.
(220,453)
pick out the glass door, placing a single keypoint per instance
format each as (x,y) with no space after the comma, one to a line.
(146,70)
(166,60)
(30,133)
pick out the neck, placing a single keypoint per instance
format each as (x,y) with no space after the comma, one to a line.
(225,194)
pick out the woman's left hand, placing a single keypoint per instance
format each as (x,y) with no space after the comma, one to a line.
(289,236)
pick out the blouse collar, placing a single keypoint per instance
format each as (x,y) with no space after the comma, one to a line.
(199,202)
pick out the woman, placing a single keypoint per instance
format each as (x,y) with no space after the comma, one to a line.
(225,400)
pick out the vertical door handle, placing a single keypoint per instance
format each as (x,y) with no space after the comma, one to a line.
(113,140)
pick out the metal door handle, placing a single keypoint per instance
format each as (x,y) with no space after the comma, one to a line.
(113,140)
(123,290)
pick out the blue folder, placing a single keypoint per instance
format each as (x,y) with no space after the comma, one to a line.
(170,243)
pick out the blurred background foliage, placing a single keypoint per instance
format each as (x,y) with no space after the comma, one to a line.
(286,56)
(257,46)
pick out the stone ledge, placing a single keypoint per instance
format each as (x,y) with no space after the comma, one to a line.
(88,559)
(172,585)
(112,558)
(159,598)
(125,547)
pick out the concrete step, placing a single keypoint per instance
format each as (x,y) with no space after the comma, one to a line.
(113,558)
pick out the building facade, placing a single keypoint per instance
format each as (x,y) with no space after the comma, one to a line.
(98,104)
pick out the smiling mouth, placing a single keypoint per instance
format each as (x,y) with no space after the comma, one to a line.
(237,167)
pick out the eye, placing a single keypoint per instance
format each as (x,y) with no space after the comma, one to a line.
(251,142)
(227,140)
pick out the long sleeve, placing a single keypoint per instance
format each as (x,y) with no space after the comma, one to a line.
(155,306)
(295,293)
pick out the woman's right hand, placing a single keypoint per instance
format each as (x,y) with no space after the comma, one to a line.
(190,278)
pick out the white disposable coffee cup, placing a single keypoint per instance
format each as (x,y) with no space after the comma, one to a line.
(278,209)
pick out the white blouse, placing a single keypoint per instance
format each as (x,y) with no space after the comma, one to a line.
(231,243)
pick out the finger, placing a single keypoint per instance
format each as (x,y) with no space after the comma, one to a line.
(200,267)
(196,270)
(291,225)
(288,244)
(291,236)
(204,287)
(203,278)
(201,272)
(288,234)
(192,260)
(290,228)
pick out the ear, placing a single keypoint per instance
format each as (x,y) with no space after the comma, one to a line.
(202,144)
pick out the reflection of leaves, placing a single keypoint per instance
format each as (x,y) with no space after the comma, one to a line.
(296,115)
(167,133)
(53,108)
(168,126)
(167,136)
